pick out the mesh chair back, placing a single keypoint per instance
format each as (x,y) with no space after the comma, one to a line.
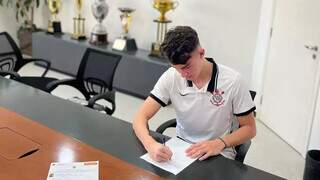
(7,62)
(97,70)
(10,55)
(5,44)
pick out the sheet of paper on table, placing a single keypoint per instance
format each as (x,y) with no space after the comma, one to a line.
(179,160)
(74,171)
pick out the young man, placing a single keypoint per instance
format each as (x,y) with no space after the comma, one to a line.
(206,96)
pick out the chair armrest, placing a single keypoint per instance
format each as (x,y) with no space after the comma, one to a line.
(68,82)
(166,125)
(159,137)
(48,64)
(242,150)
(12,74)
(108,96)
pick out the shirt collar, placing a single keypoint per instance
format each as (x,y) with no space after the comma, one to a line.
(214,77)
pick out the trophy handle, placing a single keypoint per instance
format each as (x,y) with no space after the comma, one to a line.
(175,4)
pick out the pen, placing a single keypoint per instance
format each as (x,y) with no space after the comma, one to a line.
(164,144)
(186,140)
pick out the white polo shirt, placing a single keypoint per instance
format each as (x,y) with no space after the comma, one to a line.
(205,113)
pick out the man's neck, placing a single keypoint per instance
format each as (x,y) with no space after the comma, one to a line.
(205,74)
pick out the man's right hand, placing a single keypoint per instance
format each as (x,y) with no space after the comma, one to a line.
(159,152)
(156,151)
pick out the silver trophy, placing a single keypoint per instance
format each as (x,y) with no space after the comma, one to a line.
(99,35)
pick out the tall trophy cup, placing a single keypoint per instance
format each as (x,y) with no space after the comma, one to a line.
(99,35)
(54,25)
(125,42)
(162,6)
(78,22)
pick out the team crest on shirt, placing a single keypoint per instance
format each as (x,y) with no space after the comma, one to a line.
(217,98)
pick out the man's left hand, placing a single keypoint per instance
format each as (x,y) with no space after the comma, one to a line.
(205,149)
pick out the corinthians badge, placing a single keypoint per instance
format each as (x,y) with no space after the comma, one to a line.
(217,98)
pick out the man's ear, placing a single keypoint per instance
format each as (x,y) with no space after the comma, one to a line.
(202,51)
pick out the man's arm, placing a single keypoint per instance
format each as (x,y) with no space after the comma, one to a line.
(246,131)
(157,151)
(209,148)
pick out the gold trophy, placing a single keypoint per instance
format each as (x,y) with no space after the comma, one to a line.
(54,25)
(78,22)
(125,42)
(162,6)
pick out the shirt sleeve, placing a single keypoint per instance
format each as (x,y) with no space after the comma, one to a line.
(242,101)
(161,91)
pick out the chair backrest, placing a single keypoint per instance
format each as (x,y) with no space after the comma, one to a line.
(10,54)
(96,71)
(253,94)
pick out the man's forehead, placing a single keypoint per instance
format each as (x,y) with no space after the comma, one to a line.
(178,66)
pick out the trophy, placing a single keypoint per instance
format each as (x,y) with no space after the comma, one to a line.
(125,42)
(78,22)
(162,6)
(99,35)
(54,25)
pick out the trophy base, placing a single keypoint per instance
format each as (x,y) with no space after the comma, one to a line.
(155,50)
(125,45)
(54,27)
(78,37)
(78,28)
(98,39)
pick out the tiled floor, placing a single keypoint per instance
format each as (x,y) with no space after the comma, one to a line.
(267,152)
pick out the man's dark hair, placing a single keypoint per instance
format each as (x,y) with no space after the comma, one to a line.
(178,43)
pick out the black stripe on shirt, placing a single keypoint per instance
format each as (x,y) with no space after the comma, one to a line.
(246,113)
(214,76)
(158,100)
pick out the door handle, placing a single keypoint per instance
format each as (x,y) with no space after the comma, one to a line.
(312,48)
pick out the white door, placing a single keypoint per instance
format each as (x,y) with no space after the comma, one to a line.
(291,71)
(314,142)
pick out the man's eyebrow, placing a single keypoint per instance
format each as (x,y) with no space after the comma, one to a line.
(185,66)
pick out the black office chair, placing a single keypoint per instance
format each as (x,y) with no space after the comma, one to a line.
(241,149)
(11,61)
(94,79)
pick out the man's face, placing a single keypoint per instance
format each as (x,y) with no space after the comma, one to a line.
(192,68)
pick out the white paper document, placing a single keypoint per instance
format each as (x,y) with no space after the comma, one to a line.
(74,171)
(179,159)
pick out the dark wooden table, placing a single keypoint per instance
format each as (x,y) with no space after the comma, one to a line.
(110,135)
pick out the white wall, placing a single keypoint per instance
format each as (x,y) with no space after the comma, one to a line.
(262,49)
(8,22)
(227,28)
